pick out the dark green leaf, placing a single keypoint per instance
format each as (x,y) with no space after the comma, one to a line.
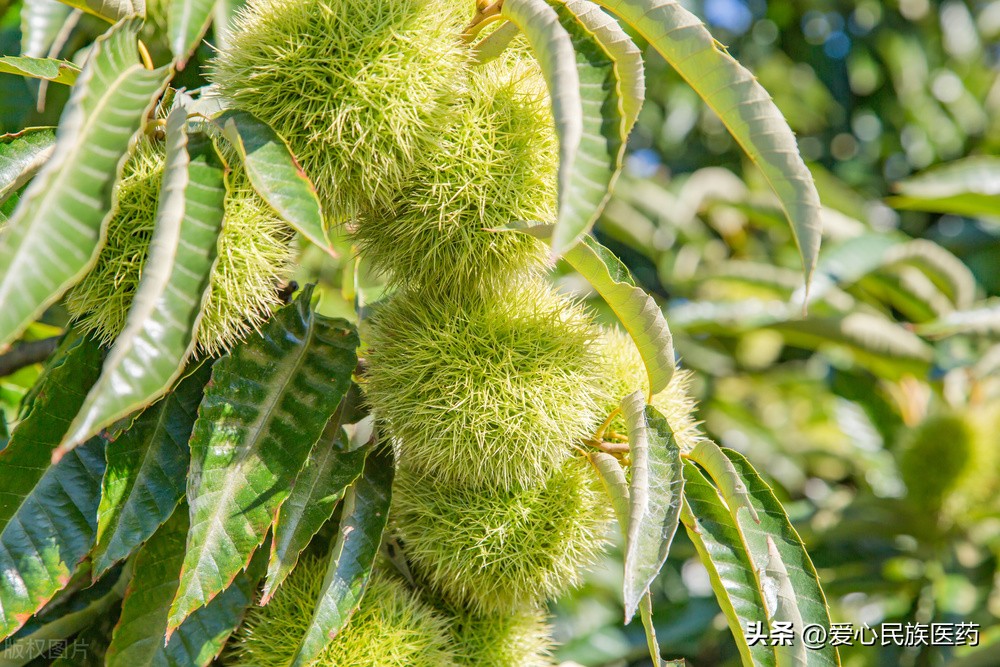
(57,395)
(21,156)
(55,234)
(49,534)
(330,469)
(159,333)
(655,492)
(59,621)
(774,529)
(49,69)
(266,405)
(147,472)
(365,513)
(276,175)
(721,550)
(139,638)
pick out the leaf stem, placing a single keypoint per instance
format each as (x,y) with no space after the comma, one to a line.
(147,59)
(486,13)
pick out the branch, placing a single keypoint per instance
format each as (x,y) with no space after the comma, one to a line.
(26,354)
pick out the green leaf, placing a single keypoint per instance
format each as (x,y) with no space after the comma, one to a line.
(553,48)
(60,621)
(774,529)
(41,22)
(266,405)
(331,467)
(966,187)
(602,144)
(147,472)
(55,235)
(720,547)
(90,646)
(655,492)
(646,611)
(734,491)
(783,608)
(587,111)
(741,103)
(159,333)
(58,393)
(490,47)
(630,73)
(187,21)
(365,513)
(982,321)
(138,638)
(635,309)
(110,10)
(882,346)
(276,175)
(21,156)
(49,69)
(49,534)
(613,476)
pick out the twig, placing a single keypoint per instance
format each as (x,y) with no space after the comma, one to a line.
(26,354)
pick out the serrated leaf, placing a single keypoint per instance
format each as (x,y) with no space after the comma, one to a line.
(784,609)
(720,548)
(159,334)
(553,48)
(21,156)
(58,622)
(41,21)
(365,513)
(734,491)
(586,108)
(55,235)
(49,69)
(635,309)
(330,469)
(110,10)
(187,21)
(276,175)
(48,535)
(138,638)
(602,144)
(58,393)
(265,406)
(630,71)
(655,492)
(147,472)
(741,103)
(806,594)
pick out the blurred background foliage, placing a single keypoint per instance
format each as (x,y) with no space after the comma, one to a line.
(876,415)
